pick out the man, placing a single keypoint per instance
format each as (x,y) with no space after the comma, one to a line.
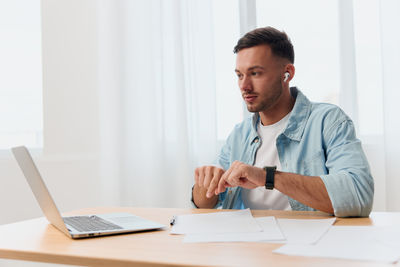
(291,153)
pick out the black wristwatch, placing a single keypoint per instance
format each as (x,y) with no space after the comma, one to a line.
(270,177)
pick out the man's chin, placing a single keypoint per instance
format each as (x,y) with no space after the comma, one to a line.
(252,109)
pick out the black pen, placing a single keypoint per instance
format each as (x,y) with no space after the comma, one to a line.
(173,220)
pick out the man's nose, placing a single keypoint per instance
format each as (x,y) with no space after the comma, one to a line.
(245,84)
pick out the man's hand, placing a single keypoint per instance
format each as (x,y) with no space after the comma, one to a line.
(206,183)
(207,178)
(309,190)
(243,175)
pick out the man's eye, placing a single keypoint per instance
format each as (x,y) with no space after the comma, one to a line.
(255,73)
(239,76)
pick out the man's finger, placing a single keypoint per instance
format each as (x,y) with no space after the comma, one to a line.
(213,185)
(207,177)
(225,185)
(217,174)
(221,184)
(201,177)
(233,177)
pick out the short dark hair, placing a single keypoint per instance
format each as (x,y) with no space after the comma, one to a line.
(279,42)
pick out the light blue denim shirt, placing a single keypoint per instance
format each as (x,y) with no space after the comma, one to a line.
(319,140)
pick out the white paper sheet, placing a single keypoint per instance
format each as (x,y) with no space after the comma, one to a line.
(271,228)
(304,231)
(352,242)
(271,232)
(219,222)
(387,235)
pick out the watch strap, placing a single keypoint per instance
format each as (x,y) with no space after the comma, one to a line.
(270,177)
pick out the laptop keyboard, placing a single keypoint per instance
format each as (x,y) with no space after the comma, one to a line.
(90,223)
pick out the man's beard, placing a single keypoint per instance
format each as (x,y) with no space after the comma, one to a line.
(270,101)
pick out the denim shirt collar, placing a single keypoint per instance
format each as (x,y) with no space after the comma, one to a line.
(297,119)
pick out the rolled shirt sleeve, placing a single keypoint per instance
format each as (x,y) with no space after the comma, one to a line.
(349,182)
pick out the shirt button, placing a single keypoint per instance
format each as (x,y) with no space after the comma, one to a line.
(230,192)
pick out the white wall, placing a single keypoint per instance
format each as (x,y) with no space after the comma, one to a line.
(69,163)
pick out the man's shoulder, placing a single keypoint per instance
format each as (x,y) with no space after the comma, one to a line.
(328,117)
(314,112)
(327,111)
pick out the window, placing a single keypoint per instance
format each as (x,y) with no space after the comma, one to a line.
(21,74)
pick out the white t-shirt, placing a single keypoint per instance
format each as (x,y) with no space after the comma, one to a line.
(267,155)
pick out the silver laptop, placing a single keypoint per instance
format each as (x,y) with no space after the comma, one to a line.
(77,226)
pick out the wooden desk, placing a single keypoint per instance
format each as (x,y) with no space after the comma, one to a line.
(37,240)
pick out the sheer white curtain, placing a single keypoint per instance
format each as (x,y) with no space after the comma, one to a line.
(157,89)
(377,40)
(390,20)
(347,54)
(157,99)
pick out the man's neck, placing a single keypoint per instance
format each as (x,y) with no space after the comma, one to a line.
(278,111)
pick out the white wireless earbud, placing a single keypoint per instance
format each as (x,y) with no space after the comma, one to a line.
(287,75)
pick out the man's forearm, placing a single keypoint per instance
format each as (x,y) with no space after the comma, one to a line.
(309,190)
(200,199)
